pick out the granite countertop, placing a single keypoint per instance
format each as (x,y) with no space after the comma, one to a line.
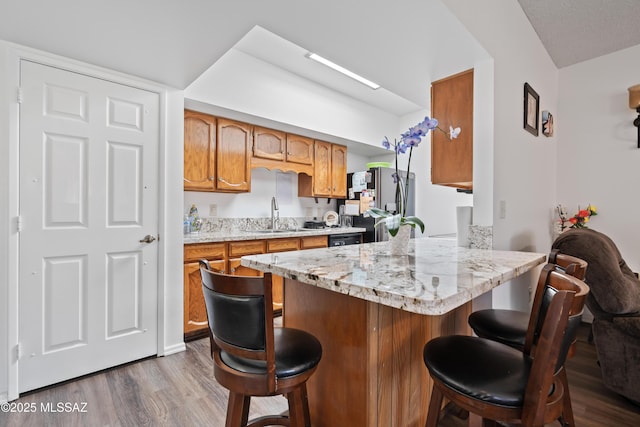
(436,277)
(227,235)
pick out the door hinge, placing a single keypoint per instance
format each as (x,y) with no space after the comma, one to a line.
(19,223)
(19,96)
(18,351)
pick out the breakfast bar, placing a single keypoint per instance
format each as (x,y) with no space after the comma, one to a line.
(374,312)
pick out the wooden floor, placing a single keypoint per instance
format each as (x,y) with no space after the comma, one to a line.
(179,390)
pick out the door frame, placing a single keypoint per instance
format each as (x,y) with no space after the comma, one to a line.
(169,339)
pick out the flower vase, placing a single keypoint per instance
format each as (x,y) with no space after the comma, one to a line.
(399,244)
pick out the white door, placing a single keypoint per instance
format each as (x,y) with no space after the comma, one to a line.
(88,196)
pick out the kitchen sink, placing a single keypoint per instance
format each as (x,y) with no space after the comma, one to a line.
(281,230)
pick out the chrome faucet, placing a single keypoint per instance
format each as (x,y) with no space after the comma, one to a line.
(275,214)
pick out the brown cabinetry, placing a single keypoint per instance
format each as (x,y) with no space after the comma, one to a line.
(199,151)
(273,149)
(233,161)
(299,149)
(195,315)
(329,177)
(452,105)
(219,154)
(225,258)
(216,154)
(239,249)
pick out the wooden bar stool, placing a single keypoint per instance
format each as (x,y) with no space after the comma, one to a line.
(250,356)
(510,326)
(500,383)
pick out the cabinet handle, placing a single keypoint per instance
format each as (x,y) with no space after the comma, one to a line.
(228,183)
(233,270)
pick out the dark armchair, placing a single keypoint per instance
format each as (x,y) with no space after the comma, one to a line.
(614,302)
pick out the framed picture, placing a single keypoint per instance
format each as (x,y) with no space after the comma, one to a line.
(531,109)
(547,123)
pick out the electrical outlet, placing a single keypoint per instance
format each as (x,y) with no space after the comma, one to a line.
(308,212)
(213,209)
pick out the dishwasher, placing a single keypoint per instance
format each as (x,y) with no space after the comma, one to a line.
(345,239)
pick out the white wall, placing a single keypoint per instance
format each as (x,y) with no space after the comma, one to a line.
(597,146)
(257,204)
(524,165)
(242,83)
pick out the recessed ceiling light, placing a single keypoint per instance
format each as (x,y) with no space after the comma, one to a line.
(342,70)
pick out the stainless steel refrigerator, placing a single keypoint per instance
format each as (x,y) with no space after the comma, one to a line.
(379,183)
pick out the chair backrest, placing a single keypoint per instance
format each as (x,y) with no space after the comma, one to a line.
(559,262)
(240,316)
(615,289)
(560,310)
(571,265)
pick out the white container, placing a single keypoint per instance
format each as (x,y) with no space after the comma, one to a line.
(464,215)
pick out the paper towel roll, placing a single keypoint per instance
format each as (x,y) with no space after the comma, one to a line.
(464,216)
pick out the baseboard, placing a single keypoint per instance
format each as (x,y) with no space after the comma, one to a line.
(177,348)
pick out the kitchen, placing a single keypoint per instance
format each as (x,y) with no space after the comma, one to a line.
(512,232)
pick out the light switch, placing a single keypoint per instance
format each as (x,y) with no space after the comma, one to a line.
(213,209)
(503,209)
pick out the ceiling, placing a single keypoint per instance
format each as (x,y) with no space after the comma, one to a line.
(574,31)
(174,42)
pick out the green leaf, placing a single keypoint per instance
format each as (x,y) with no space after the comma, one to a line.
(413,221)
(377,213)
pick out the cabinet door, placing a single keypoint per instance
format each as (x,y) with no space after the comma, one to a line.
(199,151)
(237,269)
(452,105)
(322,169)
(195,312)
(311,242)
(299,149)
(338,171)
(233,156)
(269,144)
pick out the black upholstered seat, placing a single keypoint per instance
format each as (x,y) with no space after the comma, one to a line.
(504,326)
(484,369)
(510,326)
(296,351)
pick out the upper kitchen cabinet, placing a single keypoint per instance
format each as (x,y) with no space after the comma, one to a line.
(269,144)
(299,149)
(329,172)
(233,156)
(338,171)
(452,105)
(274,149)
(199,151)
(216,154)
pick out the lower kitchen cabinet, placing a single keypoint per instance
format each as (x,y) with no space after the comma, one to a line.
(225,257)
(195,314)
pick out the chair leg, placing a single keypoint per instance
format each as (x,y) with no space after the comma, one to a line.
(567,411)
(299,407)
(434,407)
(237,410)
(475,420)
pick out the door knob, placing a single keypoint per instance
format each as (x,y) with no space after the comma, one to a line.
(148,239)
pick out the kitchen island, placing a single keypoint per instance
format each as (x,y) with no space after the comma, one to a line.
(374,312)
